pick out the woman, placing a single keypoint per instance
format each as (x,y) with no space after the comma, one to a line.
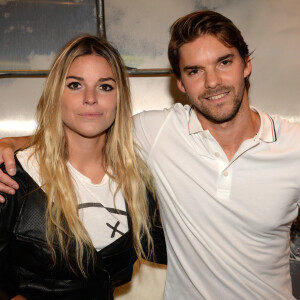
(81,216)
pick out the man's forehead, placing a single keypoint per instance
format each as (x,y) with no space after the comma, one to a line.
(207,40)
(205,48)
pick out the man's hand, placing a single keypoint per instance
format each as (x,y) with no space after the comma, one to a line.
(7,156)
(7,148)
(7,185)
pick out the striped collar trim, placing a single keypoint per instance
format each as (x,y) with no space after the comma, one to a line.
(267,130)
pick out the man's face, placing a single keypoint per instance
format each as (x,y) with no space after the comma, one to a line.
(213,75)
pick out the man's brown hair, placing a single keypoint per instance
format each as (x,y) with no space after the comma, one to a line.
(188,28)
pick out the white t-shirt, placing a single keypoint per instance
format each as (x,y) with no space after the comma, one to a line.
(226,224)
(104,220)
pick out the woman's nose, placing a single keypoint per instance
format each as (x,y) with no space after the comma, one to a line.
(90,96)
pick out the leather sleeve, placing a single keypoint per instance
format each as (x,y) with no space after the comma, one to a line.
(8,211)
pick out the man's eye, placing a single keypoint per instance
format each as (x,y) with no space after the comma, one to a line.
(106,87)
(226,62)
(74,85)
(193,72)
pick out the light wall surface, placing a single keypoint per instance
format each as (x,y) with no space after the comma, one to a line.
(139,28)
(271,28)
(140,31)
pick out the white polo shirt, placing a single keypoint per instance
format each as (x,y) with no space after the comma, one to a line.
(226,223)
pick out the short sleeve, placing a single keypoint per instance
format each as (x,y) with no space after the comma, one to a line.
(146,128)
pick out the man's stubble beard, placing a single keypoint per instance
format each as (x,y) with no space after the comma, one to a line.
(219,117)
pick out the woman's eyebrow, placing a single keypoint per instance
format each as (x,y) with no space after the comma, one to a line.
(75,77)
(106,79)
(100,79)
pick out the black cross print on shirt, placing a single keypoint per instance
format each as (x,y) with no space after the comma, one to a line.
(114,228)
(111,210)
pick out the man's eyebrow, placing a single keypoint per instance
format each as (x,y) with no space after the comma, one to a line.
(221,58)
(103,79)
(224,57)
(187,68)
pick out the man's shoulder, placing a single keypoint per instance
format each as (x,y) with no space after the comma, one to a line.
(287,133)
(287,126)
(161,115)
(149,124)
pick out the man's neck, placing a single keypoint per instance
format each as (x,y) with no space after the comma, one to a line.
(230,135)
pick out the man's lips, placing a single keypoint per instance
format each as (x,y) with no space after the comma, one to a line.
(217,96)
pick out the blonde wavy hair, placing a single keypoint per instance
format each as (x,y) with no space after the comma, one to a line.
(121,160)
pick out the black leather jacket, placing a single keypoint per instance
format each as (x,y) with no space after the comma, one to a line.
(26,266)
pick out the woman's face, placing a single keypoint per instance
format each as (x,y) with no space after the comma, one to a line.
(89,99)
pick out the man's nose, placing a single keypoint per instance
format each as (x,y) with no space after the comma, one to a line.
(212,79)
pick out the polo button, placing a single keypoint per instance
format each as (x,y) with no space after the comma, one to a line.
(217,154)
(225,173)
(204,135)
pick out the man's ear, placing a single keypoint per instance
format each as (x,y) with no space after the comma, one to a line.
(248,67)
(180,86)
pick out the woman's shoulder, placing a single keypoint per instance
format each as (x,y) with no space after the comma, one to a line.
(20,176)
(26,184)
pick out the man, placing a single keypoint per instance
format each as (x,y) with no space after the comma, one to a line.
(228,176)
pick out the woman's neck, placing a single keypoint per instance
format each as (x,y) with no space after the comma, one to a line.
(86,155)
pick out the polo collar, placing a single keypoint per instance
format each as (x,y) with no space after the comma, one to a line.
(266,133)
(193,122)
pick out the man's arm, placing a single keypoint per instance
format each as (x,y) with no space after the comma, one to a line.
(7,148)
